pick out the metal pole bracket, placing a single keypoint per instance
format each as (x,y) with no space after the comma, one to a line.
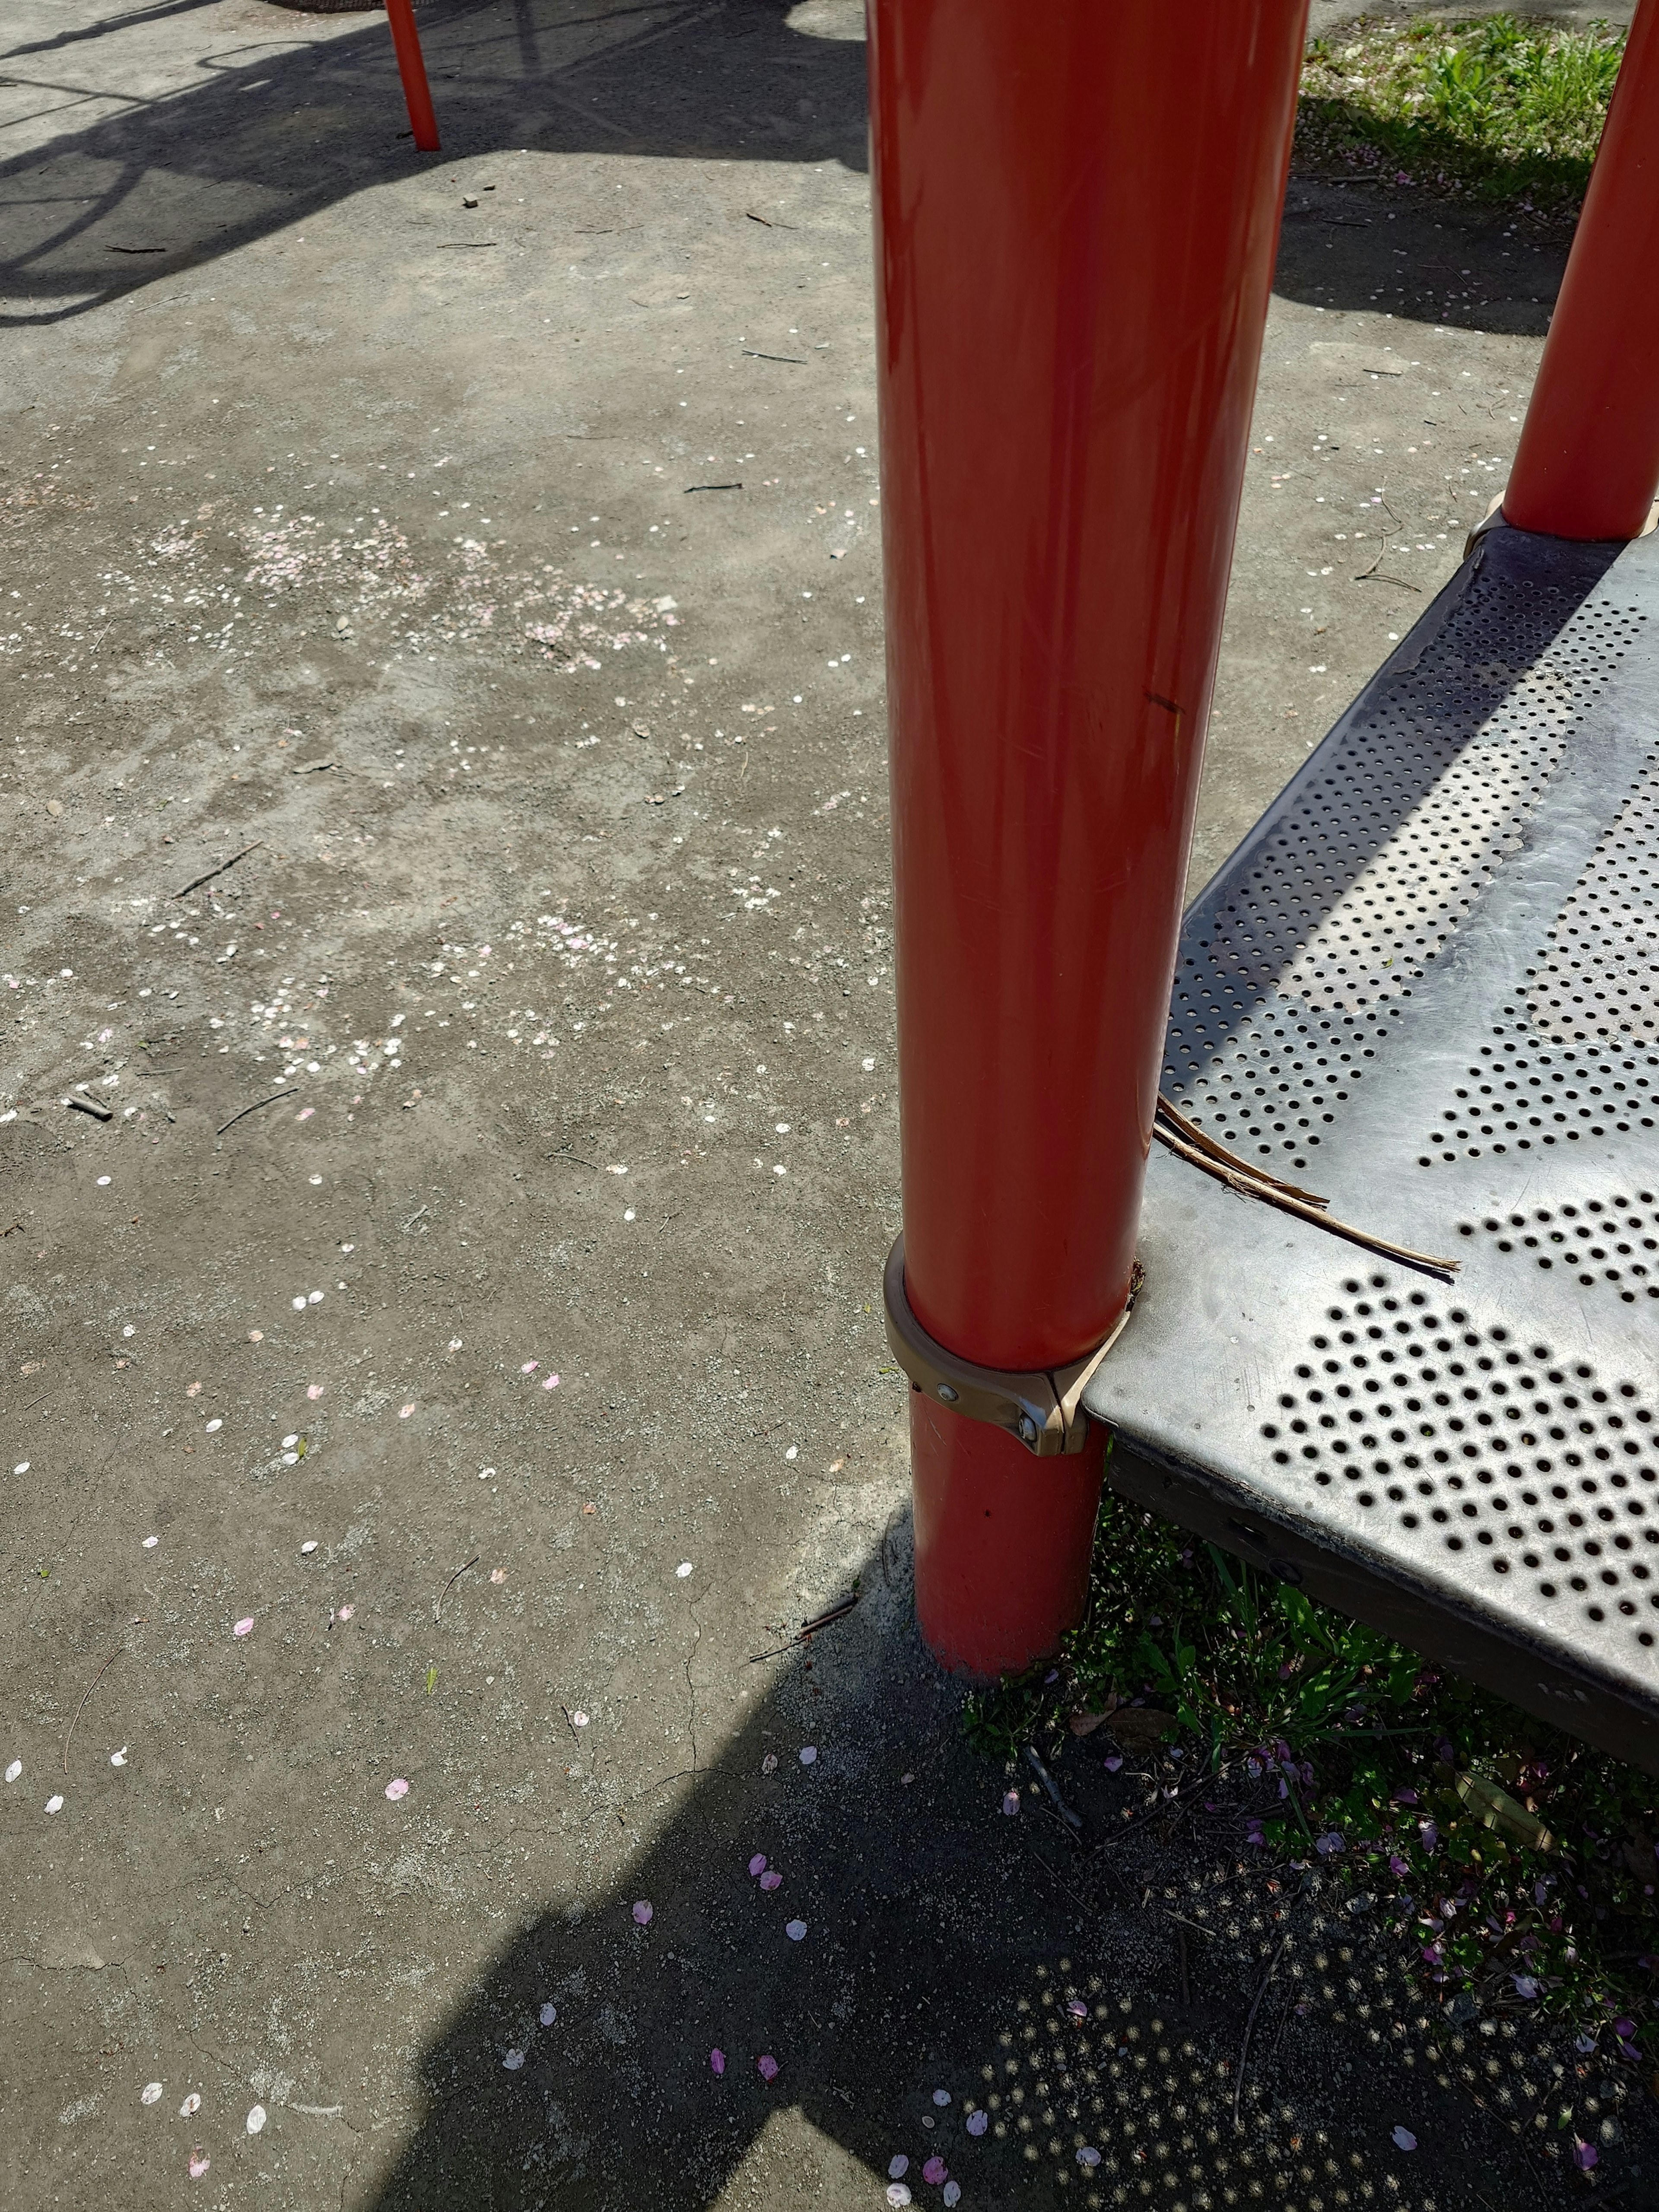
(1043,1409)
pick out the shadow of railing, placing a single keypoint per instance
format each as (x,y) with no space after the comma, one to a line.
(274,132)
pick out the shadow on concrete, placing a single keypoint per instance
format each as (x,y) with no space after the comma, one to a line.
(1086,1992)
(297,122)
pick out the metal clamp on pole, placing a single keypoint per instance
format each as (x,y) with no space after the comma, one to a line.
(1043,1409)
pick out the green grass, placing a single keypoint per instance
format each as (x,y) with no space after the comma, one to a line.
(1436,1792)
(1492,108)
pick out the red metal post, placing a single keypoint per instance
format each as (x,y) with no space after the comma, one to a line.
(1588,463)
(1076,219)
(406,39)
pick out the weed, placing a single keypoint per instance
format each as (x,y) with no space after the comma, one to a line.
(1496,108)
(1526,1862)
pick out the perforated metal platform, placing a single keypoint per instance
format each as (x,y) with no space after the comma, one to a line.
(1427,985)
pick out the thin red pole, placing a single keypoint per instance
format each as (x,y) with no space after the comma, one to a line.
(1588,462)
(406,40)
(1076,223)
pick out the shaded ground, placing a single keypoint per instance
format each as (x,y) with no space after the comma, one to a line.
(354,532)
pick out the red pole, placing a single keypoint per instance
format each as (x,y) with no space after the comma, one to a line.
(1076,224)
(1588,463)
(406,39)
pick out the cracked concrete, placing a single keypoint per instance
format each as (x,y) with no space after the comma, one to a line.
(577,935)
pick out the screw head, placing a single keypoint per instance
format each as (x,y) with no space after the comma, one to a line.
(947,1394)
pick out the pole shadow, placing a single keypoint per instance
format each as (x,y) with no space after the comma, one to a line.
(276,130)
(1056,2015)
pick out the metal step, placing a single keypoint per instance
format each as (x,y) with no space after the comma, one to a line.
(1427,986)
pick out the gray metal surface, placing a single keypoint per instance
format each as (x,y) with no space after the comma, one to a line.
(1427,985)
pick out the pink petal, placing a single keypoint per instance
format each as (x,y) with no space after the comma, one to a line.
(977,2123)
(757,1864)
(403,1412)
(1088,2156)
(766,2067)
(345,1612)
(551,1383)
(717,2061)
(643,1913)
(796,1931)
(935,2171)
(1404,2139)
(1078,2009)
(397,1788)
(1011,1802)
(244,1627)
(198,2163)
(530,1366)
(771,1878)
(897,2166)
(953,2192)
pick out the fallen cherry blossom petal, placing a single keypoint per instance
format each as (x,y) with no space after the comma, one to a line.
(345,1613)
(150,2093)
(244,1627)
(1585,2156)
(256,2118)
(953,2192)
(1076,2008)
(1088,2156)
(549,2014)
(977,2123)
(643,1913)
(897,2165)
(551,1383)
(197,2164)
(1112,1764)
(308,1548)
(530,1366)
(403,1412)
(54,1804)
(717,2061)
(1404,2139)
(579,1720)
(396,1787)
(150,1543)
(898,2193)
(1011,1802)
(757,1864)
(769,1764)
(512,2061)
(941,2096)
(14,1769)
(809,1753)
(934,2172)
(498,1574)
(795,1930)
(684,1568)
(314,1390)
(766,2067)
(771,1878)
(192,2106)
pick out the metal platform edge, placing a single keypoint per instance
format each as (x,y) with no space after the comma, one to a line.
(1554,1678)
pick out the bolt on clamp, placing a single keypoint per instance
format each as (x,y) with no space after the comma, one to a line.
(1043,1409)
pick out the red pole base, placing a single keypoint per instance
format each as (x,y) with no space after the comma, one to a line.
(1003,1540)
(406,44)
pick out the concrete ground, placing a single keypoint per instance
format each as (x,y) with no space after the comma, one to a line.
(474,1385)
